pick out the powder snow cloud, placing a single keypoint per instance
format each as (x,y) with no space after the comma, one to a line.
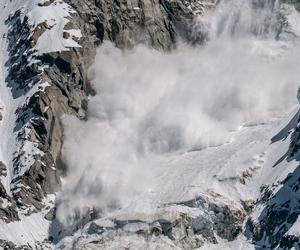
(151,103)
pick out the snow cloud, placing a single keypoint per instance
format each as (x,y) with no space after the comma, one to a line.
(150,104)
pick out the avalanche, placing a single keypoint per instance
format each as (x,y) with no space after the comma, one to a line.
(183,149)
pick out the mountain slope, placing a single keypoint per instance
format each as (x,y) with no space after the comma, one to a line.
(202,193)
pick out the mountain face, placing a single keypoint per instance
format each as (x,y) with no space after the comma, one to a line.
(224,171)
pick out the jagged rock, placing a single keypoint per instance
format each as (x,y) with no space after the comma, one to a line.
(248,205)
(51,214)
(46,3)
(66,35)
(152,22)
(38,31)
(95,229)
(3,171)
(220,214)
(156,228)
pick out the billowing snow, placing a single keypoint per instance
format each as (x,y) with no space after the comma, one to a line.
(215,121)
(204,124)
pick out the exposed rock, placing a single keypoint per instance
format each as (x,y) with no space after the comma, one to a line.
(38,31)
(221,214)
(126,23)
(8,245)
(66,35)
(46,3)
(3,171)
(51,214)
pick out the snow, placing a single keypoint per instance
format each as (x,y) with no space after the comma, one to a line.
(216,171)
(28,230)
(238,244)
(167,212)
(295,229)
(75,33)
(212,172)
(56,16)
(27,156)
(5,203)
(230,171)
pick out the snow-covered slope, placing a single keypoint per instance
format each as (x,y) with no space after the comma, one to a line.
(192,145)
(230,175)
